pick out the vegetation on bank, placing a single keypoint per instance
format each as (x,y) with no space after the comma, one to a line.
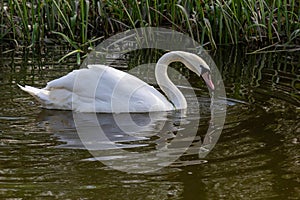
(81,23)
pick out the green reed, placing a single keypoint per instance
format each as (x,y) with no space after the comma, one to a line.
(82,22)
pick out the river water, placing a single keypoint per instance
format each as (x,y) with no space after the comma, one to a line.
(43,154)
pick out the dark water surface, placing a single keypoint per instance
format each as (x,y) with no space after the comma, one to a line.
(256,156)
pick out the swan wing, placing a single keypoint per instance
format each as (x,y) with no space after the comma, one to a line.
(100,88)
(84,76)
(112,90)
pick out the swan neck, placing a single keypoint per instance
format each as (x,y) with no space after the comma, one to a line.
(164,82)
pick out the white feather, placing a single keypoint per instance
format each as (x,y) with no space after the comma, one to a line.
(100,88)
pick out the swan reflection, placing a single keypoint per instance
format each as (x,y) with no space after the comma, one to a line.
(140,142)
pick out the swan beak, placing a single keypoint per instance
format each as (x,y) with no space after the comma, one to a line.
(207,78)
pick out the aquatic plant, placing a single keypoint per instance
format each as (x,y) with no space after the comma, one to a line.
(80,23)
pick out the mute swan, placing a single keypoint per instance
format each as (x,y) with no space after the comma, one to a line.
(100,88)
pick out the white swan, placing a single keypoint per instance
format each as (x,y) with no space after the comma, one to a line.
(100,88)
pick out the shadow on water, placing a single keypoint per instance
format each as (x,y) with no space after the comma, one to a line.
(257,155)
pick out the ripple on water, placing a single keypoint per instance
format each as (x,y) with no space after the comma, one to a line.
(256,157)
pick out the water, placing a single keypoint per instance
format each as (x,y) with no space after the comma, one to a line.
(256,156)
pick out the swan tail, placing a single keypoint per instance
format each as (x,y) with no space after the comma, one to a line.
(40,94)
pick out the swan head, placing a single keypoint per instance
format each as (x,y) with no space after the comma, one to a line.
(197,65)
(191,61)
(206,75)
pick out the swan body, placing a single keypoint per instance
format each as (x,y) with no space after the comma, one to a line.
(100,88)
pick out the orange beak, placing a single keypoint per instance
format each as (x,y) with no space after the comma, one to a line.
(207,78)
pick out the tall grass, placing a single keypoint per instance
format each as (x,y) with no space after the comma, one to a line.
(82,22)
